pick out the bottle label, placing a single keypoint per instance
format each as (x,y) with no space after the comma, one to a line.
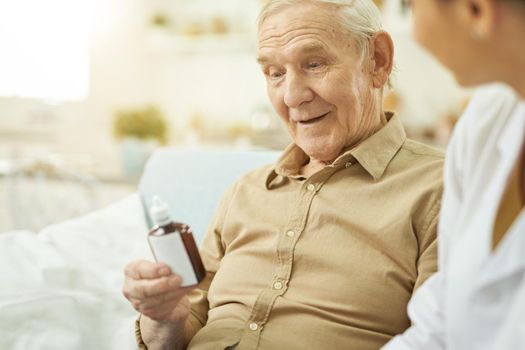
(170,250)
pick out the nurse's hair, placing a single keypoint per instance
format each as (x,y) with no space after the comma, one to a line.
(361,19)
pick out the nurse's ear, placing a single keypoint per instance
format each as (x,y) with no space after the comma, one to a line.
(382,58)
(483,16)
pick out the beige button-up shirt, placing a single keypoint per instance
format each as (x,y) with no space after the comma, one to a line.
(325,262)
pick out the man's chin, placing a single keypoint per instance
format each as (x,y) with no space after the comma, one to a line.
(321,151)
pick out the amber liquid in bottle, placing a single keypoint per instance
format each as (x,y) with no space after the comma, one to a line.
(167,248)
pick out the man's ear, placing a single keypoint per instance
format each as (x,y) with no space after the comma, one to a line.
(382,52)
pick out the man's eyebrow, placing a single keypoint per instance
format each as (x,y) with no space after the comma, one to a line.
(262,60)
(312,47)
(306,49)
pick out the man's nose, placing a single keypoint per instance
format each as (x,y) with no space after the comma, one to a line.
(297,90)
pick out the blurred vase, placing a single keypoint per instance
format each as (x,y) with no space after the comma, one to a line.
(135,153)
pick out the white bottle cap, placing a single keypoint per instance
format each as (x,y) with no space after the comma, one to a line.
(159,211)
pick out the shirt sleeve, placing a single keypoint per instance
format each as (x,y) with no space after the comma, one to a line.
(426,263)
(426,308)
(211,251)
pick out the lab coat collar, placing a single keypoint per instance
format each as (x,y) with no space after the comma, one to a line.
(508,258)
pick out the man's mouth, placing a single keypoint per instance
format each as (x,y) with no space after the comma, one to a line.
(313,120)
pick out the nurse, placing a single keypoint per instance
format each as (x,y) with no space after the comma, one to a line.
(477,300)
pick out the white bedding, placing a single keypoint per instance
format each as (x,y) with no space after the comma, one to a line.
(61,288)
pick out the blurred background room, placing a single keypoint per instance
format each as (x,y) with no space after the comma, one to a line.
(88,89)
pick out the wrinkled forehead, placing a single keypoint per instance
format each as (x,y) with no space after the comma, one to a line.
(293,22)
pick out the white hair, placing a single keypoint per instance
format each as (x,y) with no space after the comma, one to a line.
(360,18)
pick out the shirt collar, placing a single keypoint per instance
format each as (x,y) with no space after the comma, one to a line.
(512,120)
(374,154)
(290,162)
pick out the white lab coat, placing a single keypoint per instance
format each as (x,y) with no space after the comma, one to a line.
(477,299)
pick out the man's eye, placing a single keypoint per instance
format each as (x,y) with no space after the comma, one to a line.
(315,65)
(274,74)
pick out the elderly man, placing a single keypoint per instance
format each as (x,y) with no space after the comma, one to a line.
(323,249)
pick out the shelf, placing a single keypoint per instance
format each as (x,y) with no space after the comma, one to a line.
(161,42)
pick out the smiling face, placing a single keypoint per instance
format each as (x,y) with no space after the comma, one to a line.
(316,80)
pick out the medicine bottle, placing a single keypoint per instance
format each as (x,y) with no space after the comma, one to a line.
(172,243)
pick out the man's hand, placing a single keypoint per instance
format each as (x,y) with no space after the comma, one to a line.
(156,292)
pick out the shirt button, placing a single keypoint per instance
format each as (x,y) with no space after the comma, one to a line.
(253,326)
(278,285)
(290,233)
(311,187)
(348,164)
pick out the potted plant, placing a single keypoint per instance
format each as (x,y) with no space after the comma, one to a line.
(140,131)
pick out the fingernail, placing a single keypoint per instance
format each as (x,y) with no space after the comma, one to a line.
(164,271)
